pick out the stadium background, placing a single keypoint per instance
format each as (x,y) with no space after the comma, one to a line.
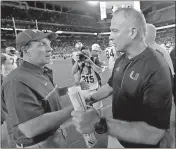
(70,20)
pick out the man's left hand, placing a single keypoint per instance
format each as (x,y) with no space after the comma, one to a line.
(85,120)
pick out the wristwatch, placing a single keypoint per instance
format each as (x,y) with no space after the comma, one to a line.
(101,126)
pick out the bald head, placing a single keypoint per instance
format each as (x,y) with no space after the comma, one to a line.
(134,18)
(150,34)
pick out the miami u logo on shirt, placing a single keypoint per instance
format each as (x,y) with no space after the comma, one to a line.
(134,76)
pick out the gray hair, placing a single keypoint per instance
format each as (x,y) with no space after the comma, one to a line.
(136,17)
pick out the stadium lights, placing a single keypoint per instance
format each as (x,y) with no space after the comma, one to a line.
(49,31)
(93,2)
(157,28)
(20,29)
(84,33)
(163,27)
(11,29)
(136,5)
(7,29)
(59,32)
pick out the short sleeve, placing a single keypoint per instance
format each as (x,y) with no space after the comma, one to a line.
(3,111)
(73,61)
(110,81)
(157,99)
(22,103)
(97,62)
(173,58)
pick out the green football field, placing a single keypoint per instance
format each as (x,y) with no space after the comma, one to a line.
(63,77)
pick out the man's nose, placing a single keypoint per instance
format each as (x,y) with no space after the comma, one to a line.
(49,48)
(111,37)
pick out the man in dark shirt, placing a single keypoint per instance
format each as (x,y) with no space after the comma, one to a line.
(140,86)
(173,57)
(32,98)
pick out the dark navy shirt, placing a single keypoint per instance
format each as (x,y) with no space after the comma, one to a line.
(28,92)
(142,91)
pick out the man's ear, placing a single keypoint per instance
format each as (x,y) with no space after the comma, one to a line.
(133,32)
(26,51)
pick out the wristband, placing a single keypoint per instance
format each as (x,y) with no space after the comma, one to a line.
(101,126)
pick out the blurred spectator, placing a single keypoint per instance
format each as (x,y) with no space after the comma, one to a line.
(77,22)
(33,14)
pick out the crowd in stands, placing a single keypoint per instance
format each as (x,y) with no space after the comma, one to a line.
(66,45)
(166,36)
(163,15)
(54,28)
(46,16)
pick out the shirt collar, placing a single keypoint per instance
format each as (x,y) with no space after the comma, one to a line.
(139,56)
(33,67)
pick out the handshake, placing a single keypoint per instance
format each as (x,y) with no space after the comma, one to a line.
(82,116)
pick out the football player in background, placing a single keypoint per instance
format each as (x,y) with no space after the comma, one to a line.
(97,53)
(88,72)
(111,55)
(168,140)
(150,41)
(8,65)
(78,47)
(11,52)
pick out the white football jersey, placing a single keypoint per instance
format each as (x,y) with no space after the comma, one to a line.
(89,78)
(14,60)
(111,55)
(9,65)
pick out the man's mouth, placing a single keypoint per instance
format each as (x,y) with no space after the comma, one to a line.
(48,55)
